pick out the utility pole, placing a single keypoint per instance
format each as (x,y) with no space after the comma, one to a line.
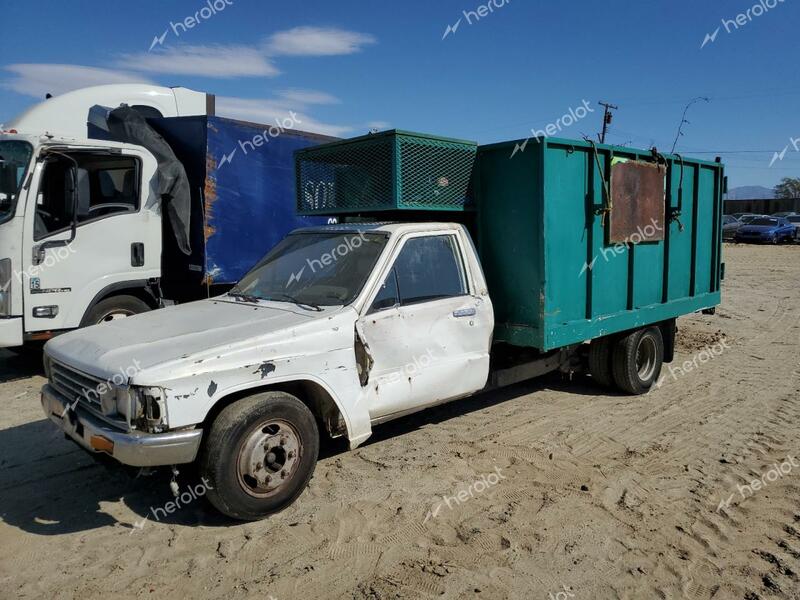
(606,119)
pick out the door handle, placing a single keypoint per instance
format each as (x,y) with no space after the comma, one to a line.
(137,254)
(464,312)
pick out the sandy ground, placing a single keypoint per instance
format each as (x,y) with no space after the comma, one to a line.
(553,489)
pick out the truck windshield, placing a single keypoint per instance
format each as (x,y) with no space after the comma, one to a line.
(321,268)
(14,159)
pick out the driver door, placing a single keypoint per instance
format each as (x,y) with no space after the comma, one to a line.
(426,329)
(85,232)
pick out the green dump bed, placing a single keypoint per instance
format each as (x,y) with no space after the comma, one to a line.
(578,241)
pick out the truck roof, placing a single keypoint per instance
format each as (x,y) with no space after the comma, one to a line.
(380,227)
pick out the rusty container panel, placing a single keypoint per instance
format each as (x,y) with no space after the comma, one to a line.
(637,193)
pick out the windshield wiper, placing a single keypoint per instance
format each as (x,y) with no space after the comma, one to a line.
(244,297)
(304,305)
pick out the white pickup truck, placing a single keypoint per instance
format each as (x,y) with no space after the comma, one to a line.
(339,327)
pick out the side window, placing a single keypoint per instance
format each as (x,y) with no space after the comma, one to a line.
(429,268)
(92,186)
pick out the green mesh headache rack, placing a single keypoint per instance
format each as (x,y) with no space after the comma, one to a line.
(385,171)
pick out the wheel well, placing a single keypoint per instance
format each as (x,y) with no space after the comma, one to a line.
(137,292)
(668,331)
(310,393)
(136,289)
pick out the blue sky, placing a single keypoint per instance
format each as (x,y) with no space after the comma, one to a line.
(346,66)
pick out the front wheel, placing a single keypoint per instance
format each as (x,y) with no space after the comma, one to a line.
(116,307)
(637,361)
(259,455)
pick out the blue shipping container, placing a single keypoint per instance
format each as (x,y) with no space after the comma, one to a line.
(242,176)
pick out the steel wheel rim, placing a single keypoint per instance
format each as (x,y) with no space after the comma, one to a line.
(115,315)
(646,358)
(268,458)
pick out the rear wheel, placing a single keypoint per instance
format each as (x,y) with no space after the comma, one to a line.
(259,455)
(600,355)
(116,307)
(637,360)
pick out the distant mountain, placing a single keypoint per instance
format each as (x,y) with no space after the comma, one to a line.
(748,192)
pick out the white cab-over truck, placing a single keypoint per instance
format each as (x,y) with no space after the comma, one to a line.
(61,268)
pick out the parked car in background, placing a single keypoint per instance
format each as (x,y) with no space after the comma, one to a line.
(730,226)
(795,221)
(741,216)
(773,230)
(748,218)
(790,213)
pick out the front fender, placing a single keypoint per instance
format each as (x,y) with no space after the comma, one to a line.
(190,399)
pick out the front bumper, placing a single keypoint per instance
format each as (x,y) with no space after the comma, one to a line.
(130,448)
(10,332)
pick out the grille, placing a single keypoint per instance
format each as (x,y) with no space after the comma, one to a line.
(387,171)
(84,389)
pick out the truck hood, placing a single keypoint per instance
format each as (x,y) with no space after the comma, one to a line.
(190,332)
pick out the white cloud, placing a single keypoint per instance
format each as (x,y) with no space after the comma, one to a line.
(299,96)
(317,41)
(268,110)
(208,61)
(39,79)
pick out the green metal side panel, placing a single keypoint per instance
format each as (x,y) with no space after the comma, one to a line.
(609,263)
(680,235)
(565,234)
(509,240)
(589,287)
(705,231)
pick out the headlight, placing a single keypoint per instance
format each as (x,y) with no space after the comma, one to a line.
(148,409)
(5,287)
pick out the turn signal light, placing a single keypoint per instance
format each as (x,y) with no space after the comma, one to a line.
(103,444)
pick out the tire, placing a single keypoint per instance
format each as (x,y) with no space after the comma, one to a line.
(243,439)
(600,356)
(114,307)
(637,360)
